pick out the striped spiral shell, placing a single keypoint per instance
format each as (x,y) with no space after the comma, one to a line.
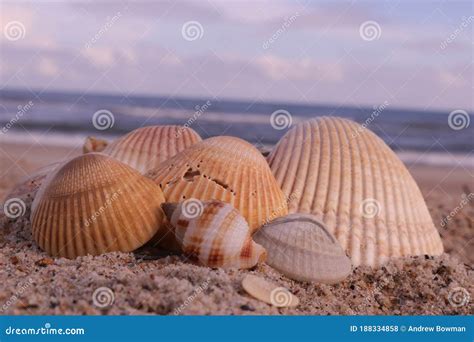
(214,234)
(94,204)
(145,148)
(349,178)
(226,169)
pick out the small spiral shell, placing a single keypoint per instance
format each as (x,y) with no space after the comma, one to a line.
(218,237)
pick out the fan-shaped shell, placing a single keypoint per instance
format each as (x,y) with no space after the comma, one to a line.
(214,233)
(94,204)
(226,169)
(145,148)
(300,247)
(348,177)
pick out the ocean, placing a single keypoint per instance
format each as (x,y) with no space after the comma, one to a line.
(68,118)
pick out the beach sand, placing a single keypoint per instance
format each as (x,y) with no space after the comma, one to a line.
(151,282)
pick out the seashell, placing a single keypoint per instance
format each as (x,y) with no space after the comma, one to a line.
(349,178)
(147,147)
(226,169)
(94,204)
(94,145)
(214,233)
(300,247)
(268,292)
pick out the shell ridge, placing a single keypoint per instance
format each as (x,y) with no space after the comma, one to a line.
(344,217)
(335,174)
(389,196)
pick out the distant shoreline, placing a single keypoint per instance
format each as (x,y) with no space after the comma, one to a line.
(76,140)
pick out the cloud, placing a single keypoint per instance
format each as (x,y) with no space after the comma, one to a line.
(277,68)
(48,67)
(319,58)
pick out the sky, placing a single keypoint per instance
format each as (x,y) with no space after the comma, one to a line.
(410,54)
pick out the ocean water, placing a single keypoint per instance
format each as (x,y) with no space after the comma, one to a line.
(68,117)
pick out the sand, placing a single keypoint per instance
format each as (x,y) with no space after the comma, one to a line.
(151,282)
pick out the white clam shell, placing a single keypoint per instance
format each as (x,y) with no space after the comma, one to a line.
(300,247)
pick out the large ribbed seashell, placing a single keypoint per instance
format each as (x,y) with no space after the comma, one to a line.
(226,169)
(300,247)
(214,234)
(94,204)
(145,148)
(350,179)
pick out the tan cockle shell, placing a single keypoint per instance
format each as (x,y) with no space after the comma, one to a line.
(226,169)
(145,148)
(349,178)
(269,293)
(94,204)
(214,234)
(300,247)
